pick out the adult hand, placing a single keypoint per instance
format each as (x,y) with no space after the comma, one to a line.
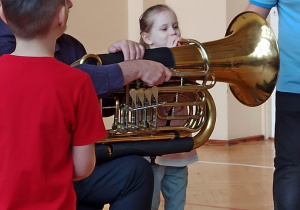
(131,50)
(150,72)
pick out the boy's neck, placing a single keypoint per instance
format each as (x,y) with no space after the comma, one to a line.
(37,47)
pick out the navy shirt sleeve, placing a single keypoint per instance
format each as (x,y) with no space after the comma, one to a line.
(7,39)
(106,79)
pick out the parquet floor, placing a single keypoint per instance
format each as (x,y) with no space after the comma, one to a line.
(237,177)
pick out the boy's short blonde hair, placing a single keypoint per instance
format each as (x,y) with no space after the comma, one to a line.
(30,18)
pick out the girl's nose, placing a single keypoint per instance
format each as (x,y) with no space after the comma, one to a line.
(69,4)
(172,31)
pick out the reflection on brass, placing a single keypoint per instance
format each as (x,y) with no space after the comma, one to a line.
(247,58)
(85,58)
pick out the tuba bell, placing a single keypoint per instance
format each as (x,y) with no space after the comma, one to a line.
(247,58)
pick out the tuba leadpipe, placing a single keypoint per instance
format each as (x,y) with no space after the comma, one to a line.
(247,58)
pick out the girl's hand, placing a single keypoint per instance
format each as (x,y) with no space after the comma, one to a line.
(174,41)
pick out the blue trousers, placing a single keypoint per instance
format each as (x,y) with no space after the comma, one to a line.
(125,183)
(286,185)
(172,182)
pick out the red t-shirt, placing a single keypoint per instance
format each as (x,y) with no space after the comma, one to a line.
(46,106)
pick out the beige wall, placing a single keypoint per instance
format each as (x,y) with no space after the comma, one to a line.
(99,23)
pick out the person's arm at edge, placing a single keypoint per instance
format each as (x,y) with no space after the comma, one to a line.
(262,11)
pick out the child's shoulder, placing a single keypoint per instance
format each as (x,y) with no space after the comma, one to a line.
(72,70)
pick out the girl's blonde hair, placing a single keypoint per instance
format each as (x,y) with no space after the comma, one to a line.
(148,18)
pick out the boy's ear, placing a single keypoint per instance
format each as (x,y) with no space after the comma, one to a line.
(2,16)
(62,16)
(146,38)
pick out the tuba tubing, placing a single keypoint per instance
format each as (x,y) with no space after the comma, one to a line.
(247,58)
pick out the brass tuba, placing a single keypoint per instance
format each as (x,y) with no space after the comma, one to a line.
(247,58)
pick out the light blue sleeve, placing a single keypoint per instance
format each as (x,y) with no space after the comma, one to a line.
(264,3)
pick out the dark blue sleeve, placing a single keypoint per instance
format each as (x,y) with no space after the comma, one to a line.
(68,49)
(7,39)
(106,78)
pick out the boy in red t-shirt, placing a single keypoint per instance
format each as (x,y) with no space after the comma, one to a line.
(50,115)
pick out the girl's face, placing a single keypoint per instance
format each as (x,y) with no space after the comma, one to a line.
(164,31)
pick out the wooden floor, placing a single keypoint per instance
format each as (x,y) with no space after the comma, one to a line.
(237,177)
